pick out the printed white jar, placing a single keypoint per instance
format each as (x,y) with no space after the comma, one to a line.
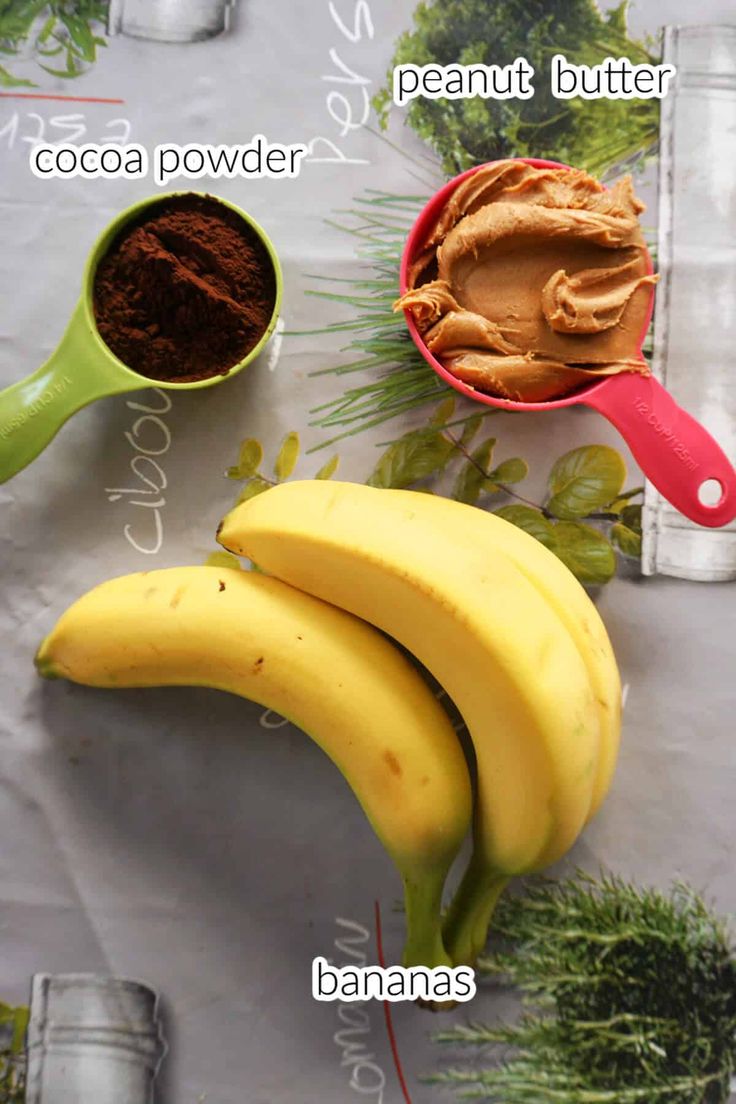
(92,1040)
(170,20)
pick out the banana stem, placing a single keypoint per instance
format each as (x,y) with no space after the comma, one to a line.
(423,904)
(465,930)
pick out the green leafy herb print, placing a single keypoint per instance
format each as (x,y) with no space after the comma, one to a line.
(630,998)
(584,514)
(13,1028)
(63,35)
(596,135)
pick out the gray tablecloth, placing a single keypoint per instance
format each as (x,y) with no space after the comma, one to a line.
(171,835)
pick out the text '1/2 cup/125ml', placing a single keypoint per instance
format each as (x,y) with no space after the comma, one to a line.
(85,367)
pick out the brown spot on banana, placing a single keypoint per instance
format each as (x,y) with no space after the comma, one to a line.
(393,763)
(178,595)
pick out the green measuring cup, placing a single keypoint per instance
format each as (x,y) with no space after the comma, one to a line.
(83,368)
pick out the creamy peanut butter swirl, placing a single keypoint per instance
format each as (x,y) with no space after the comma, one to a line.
(533,282)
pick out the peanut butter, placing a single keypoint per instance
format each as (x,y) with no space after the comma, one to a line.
(533,282)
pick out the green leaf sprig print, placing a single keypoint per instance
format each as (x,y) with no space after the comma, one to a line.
(63,35)
(13,1028)
(287,456)
(585,516)
(585,480)
(249,471)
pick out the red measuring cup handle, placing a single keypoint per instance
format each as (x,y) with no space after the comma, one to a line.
(673,450)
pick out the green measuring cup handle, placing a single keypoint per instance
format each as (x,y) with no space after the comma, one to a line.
(33,410)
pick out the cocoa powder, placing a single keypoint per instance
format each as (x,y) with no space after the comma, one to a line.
(185,292)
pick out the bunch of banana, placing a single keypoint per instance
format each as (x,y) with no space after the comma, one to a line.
(501,623)
(333,675)
(503,626)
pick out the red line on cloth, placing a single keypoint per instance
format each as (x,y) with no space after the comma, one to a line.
(66,99)
(387,1010)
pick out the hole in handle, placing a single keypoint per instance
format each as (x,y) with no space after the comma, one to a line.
(711,492)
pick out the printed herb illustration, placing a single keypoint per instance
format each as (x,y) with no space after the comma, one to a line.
(591,134)
(13,1027)
(397,378)
(631,997)
(584,485)
(63,36)
(248,470)
(250,460)
(585,515)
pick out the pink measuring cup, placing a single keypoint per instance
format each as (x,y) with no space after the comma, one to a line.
(675,452)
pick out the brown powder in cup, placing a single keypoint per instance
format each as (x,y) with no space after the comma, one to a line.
(186,291)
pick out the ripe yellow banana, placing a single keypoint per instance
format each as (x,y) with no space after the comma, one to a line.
(568,598)
(484,607)
(331,674)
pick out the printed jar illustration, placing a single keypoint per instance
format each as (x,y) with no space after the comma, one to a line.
(170,20)
(92,1040)
(695,319)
